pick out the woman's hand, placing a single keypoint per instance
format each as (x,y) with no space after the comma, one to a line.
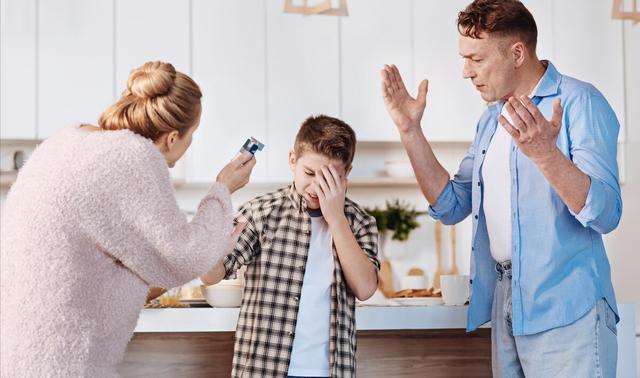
(236,174)
(216,274)
(155,292)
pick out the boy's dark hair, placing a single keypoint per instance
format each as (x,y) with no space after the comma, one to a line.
(500,17)
(326,136)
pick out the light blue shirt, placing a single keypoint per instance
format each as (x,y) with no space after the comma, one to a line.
(560,267)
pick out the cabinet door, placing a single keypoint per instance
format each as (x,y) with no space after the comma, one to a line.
(149,30)
(377,32)
(229,65)
(589,47)
(75,62)
(542,11)
(302,78)
(18,69)
(453,104)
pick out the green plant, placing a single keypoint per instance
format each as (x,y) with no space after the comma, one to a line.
(398,216)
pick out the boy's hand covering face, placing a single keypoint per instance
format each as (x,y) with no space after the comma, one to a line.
(330,188)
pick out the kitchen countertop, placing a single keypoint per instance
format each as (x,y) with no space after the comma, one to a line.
(367,318)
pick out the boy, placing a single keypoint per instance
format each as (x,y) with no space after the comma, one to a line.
(309,253)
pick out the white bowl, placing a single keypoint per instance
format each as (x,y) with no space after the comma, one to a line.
(223,294)
(414,282)
(398,169)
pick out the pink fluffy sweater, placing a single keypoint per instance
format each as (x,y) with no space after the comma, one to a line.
(90,223)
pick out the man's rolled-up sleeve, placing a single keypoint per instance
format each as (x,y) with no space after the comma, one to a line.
(593,131)
(454,202)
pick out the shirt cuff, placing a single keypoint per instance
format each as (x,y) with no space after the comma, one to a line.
(229,271)
(593,206)
(445,202)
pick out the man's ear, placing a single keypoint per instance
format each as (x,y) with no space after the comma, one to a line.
(292,160)
(348,170)
(518,52)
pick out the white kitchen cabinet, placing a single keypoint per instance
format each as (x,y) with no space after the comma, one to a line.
(75,62)
(453,104)
(229,65)
(377,32)
(148,30)
(542,11)
(589,46)
(18,69)
(302,78)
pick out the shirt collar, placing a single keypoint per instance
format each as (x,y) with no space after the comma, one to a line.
(547,86)
(550,81)
(299,203)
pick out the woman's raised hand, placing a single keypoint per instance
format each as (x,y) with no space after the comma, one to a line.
(236,174)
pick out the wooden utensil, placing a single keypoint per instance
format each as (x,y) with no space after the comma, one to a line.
(385,279)
(439,270)
(454,264)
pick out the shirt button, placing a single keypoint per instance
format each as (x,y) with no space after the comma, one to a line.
(478,183)
(483,151)
(290,333)
(296,299)
(476,216)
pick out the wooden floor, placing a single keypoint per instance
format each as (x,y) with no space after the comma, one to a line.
(419,353)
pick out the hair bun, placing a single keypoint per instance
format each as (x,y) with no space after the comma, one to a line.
(152,79)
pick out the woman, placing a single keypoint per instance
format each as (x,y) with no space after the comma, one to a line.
(92,222)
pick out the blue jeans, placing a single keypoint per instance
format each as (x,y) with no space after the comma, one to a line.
(587,347)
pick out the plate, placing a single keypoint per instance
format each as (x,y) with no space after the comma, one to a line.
(420,301)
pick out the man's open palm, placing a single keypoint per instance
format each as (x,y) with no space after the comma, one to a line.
(405,111)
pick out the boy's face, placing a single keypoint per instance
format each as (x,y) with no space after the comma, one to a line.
(306,166)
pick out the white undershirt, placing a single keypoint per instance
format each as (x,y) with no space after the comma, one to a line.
(310,353)
(497,191)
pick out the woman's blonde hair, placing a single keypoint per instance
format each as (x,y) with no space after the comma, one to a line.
(157,100)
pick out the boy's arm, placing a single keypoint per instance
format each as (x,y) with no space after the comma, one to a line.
(241,250)
(358,269)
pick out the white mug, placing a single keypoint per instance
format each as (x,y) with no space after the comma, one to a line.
(455,289)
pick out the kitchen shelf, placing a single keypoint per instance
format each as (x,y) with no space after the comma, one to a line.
(7,179)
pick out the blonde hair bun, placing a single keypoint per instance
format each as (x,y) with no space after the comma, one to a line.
(151,80)
(157,100)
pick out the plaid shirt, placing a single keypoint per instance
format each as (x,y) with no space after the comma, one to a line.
(274,246)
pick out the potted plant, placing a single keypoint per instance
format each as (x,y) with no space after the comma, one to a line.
(395,222)
(398,218)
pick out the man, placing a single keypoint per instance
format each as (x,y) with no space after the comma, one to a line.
(541,183)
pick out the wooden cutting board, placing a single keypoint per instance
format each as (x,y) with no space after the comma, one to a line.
(385,279)
(439,268)
(454,264)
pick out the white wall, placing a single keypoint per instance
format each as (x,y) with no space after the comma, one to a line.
(623,244)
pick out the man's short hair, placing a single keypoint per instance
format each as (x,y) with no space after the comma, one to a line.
(509,18)
(327,136)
